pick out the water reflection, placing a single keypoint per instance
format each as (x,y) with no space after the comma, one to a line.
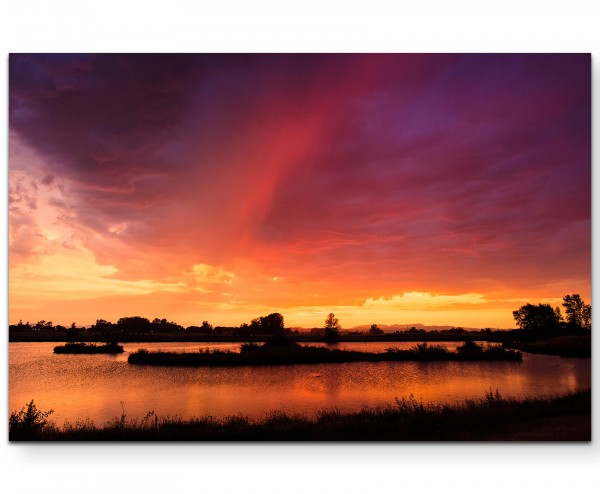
(80,386)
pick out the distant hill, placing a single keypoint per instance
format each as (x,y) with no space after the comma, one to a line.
(392,328)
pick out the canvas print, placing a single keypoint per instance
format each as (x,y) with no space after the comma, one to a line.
(299,247)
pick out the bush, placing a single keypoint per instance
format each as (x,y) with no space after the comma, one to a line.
(248,347)
(470,347)
(426,349)
(27,423)
(280,339)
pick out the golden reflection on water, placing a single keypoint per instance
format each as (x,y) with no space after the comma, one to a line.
(93,386)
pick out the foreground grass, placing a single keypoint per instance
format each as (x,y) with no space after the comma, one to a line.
(291,353)
(493,418)
(88,348)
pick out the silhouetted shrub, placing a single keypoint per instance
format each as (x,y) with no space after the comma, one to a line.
(248,347)
(428,350)
(28,422)
(470,347)
(281,339)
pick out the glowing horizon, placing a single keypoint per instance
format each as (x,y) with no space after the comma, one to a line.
(388,189)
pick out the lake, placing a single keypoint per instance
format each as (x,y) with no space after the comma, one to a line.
(99,387)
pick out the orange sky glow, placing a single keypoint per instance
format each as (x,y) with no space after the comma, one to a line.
(388,189)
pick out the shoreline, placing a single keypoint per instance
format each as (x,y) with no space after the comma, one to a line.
(183,338)
(568,346)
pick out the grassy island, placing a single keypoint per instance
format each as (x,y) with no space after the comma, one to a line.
(289,352)
(88,348)
(493,418)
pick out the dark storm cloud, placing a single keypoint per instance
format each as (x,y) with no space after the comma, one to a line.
(430,166)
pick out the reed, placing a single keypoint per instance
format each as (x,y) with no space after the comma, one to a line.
(492,418)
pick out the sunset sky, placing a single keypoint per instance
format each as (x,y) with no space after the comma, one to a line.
(434,189)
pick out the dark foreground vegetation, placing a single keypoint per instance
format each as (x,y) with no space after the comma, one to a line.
(88,348)
(493,418)
(280,351)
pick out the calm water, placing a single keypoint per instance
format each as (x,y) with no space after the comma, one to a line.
(77,387)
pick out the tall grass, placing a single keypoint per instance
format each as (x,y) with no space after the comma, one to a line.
(558,417)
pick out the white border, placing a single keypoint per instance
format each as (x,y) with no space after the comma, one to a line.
(277,26)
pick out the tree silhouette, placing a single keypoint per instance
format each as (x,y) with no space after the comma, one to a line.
(71,334)
(375,330)
(271,324)
(578,313)
(43,325)
(134,324)
(332,329)
(537,317)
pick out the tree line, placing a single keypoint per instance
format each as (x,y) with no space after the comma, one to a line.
(545,318)
(531,318)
